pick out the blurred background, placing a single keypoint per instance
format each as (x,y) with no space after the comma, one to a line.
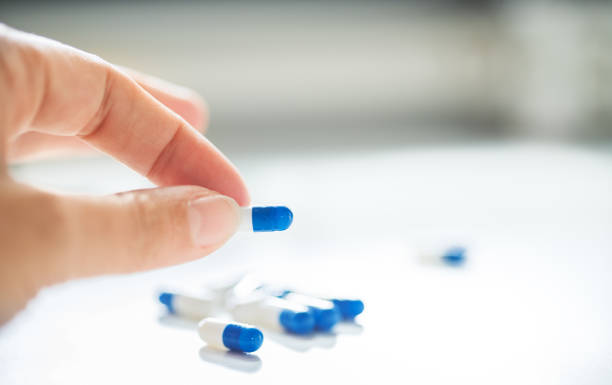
(305,75)
(387,127)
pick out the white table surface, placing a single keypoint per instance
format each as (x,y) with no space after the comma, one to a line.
(532,306)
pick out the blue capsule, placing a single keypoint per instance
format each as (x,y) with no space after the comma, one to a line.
(348,308)
(454,256)
(298,322)
(327,312)
(167,300)
(325,319)
(271,218)
(324,312)
(230,335)
(242,339)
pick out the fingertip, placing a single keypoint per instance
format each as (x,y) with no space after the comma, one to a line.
(213,219)
(199,112)
(242,196)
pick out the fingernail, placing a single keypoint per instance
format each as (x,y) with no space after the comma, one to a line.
(212,219)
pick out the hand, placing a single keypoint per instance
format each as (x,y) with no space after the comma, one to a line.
(54,97)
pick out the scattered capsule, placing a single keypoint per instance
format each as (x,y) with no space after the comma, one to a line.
(325,314)
(347,309)
(454,256)
(230,335)
(188,307)
(276,313)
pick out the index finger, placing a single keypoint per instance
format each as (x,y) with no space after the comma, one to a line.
(59,90)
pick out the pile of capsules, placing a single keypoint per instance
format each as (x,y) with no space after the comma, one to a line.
(254,305)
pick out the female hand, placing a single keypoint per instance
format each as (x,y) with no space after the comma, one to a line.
(55,98)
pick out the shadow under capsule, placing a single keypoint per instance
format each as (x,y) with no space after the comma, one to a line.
(302,343)
(177,322)
(348,327)
(248,363)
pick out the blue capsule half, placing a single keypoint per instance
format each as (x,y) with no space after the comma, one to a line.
(167,299)
(454,256)
(298,322)
(325,319)
(271,218)
(242,339)
(348,308)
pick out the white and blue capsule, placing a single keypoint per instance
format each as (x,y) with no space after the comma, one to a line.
(276,313)
(324,312)
(234,336)
(347,308)
(188,307)
(327,311)
(454,256)
(265,219)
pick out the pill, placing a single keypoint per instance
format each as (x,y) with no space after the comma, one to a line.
(325,318)
(235,336)
(270,218)
(454,256)
(348,308)
(325,313)
(275,313)
(188,307)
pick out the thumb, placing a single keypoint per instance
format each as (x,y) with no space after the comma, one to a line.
(49,238)
(144,229)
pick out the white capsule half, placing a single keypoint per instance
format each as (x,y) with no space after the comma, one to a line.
(309,301)
(188,307)
(246,220)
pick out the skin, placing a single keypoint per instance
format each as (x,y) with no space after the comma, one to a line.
(55,99)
